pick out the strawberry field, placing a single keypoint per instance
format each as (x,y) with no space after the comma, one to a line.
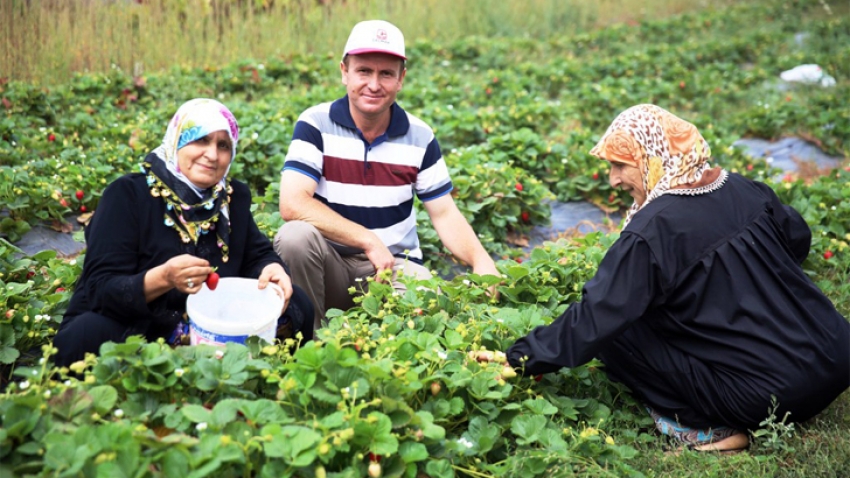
(387,389)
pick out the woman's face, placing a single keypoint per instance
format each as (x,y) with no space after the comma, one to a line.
(629,179)
(205,160)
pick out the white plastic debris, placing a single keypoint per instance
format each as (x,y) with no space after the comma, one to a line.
(809,74)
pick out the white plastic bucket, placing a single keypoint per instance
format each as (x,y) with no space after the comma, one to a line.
(234,311)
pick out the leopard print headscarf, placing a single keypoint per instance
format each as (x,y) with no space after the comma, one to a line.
(669,151)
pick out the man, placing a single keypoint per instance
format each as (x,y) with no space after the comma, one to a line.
(701,307)
(348,182)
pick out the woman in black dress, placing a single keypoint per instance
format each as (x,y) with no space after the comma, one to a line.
(701,307)
(157,235)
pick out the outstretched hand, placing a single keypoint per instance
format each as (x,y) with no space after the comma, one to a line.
(486,356)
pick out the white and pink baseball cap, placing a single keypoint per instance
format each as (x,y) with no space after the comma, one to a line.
(375,36)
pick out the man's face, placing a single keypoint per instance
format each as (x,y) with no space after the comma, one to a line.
(372,80)
(629,179)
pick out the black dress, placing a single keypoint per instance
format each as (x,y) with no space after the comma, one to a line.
(126,237)
(702,309)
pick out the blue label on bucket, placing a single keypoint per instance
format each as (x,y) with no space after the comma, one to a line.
(200,336)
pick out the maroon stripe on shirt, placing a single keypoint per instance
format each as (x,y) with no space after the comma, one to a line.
(349,171)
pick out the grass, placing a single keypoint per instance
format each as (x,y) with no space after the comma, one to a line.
(47,41)
(818,448)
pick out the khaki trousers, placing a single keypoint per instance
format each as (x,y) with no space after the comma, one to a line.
(324,274)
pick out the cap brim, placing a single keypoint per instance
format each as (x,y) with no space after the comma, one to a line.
(363,51)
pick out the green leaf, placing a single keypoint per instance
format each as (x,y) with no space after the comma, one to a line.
(196,413)
(440,469)
(540,406)
(296,445)
(482,434)
(8,354)
(412,452)
(376,436)
(371,305)
(263,411)
(104,398)
(224,412)
(425,421)
(527,427)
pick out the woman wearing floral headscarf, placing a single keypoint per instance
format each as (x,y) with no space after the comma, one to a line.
(701,307)
(158,234)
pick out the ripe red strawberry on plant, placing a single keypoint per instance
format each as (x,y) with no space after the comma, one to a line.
(595,176)
(51,137)
(519,187)
(525,216)
(80,193)
(212,280)
(827,255)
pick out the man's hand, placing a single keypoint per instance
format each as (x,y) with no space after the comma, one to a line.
(380,257)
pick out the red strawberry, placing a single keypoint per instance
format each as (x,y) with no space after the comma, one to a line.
(80,194)
(595,176)
(519,260)
(488,91)
(749,167)
(30,274)
(375,458)
(611,198)
(60,289)
(519,187)
(212,280)
(538,377)
(63,202)
(525,216)
(83,209)
(51,137)
(827,255)
(682,85)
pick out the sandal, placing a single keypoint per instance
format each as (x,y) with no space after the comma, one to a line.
(722,439)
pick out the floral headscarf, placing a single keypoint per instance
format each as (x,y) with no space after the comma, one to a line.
(669,151)
(190,210)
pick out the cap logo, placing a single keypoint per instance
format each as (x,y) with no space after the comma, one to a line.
(381,36)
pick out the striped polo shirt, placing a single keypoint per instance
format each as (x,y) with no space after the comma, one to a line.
(371,184)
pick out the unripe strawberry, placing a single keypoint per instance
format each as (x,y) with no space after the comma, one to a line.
(435,388)
(374,469)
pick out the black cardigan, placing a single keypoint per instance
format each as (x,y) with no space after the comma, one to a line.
(127,236)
